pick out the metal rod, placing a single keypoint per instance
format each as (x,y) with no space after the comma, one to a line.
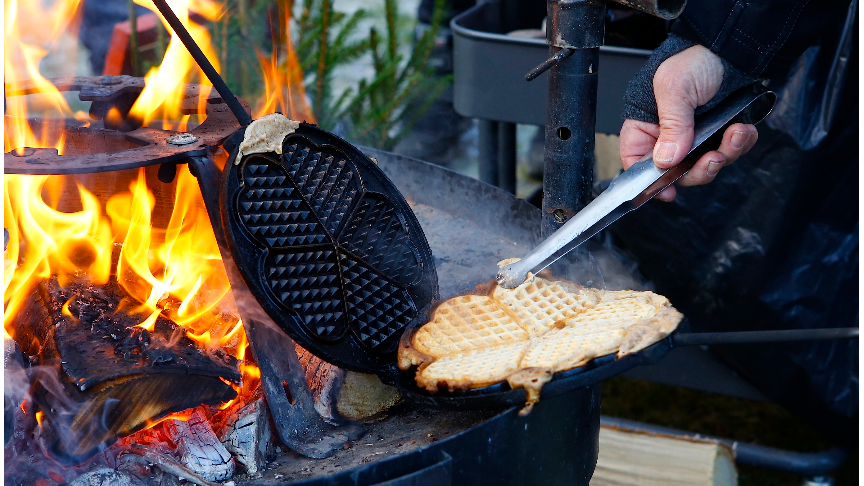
(806,463)
(548,63)
(488,147)
(507,156)
(749,337)
(199,57)
(568,163)
(133,39)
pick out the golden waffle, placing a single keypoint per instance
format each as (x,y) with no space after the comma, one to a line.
(524,335)
(480,367)
(540,303)
(467,323)
(571,347)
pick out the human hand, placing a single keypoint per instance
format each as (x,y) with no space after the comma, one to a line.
(684,81)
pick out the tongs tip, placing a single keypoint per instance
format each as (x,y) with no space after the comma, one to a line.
(509,278)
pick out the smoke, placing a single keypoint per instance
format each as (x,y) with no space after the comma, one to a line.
(599,264)
(16,383)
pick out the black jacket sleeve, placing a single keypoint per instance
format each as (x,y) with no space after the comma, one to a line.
(761,37)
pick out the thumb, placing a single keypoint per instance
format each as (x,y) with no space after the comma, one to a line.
(675,107)
(684,81)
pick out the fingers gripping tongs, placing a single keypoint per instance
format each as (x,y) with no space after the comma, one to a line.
(639,183)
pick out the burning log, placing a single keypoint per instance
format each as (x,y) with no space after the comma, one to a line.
(341,394)
(199,448)
(116,376)
(250,437)
(325,381)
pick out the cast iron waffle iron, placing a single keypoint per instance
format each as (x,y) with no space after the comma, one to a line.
(329,247)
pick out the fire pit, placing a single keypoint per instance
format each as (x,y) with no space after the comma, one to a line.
(140,180)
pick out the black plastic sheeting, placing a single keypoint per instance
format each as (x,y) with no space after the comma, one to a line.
(772,243)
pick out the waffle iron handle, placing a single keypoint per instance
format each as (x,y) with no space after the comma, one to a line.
(752,337)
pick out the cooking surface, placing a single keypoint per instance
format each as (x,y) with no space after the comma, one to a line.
(404,430)
(469,225)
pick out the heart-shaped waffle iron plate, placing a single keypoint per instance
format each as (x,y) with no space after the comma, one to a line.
(329,247)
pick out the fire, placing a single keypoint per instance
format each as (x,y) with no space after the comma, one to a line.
(283,78)
(183,416)
(174,271)
(69,245)
(163,93)
(178,271)
(27,42)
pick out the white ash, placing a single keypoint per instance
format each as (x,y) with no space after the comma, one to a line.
(105,477)
(250,437)
(199,448)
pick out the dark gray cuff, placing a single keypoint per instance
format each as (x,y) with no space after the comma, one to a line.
(639,101)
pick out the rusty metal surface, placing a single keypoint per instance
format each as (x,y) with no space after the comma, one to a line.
(119,150)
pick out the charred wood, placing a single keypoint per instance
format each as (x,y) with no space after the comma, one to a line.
(250,438)
(165,463)
(102,377)
(341,395)
(325,381)
(97,343)
(199,449)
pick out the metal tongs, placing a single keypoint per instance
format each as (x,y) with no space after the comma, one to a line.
(639,183)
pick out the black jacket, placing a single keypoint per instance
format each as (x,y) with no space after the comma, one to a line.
(760,37)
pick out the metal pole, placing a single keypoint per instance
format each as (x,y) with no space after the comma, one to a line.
(199,57)
(488,147)
(572,108)
(507,156)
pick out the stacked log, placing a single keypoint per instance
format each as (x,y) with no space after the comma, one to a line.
(101,376)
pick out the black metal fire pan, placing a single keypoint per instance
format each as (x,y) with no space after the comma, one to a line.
(103,149)
(603,368)
(501,395)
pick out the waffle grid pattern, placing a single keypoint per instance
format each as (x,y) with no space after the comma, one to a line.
(543,324)
(338,257)
(376,235)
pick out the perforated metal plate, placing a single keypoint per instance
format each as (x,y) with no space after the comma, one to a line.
(329,247)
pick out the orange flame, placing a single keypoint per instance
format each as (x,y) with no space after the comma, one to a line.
(174,271)
(68,245)
(163,93)
(181,275)
(26,43)
(183,416)
(283,78)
